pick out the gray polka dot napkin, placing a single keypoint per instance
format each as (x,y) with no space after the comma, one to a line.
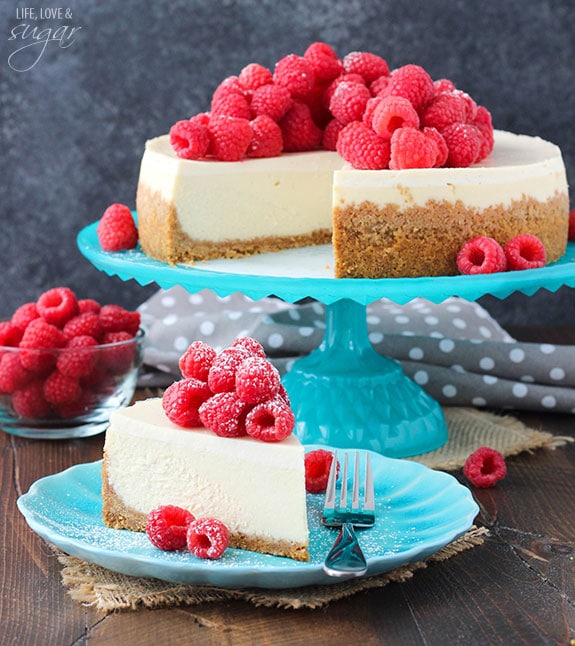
(454,350)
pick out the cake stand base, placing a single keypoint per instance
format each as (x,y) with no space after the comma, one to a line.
(347,395)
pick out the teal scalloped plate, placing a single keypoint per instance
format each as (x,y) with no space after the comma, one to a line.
(294,274)
(419,511)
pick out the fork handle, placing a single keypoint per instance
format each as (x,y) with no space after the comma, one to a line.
(345,559)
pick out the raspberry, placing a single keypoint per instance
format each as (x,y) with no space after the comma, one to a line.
(230,85)
(330,134)
(61,389)
(443,85)
(24,314)
(442,149)
(190,139)
(525,251)
(58,305)
(464,142)
(485,467)
(483,123)
(78,359)
(37,344)
(444,110)
(257,380)
(362,147)
(253,346)
(367,65)
(85,324)
(481,255)
(391,113)
(120,352)
(369,111)
(470,105)
(296,74)
(197,361)
(254,76)
(343,78)
(299,130)
(571,234)
(13,375)
(272,100)
(222,374)
(10,334)
(207,538)
(115,318)
(76,408)
(349,101)
(411,148)
(317,465)
(224,414)
(270,421)
(379,86)
(30,402)
(167,527)
(230,137)
(413,83)
(116,229)
(324,62)
(182,400)
(88,305)
(267,140)
(231,105)
(315,101)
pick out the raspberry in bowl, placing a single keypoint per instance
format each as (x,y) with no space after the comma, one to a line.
(65,364)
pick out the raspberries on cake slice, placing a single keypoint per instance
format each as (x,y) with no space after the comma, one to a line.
(167,527)
(207,538)
(299,130)
(267,139)
(362,147)
(525,251)
(485,467)
(57,305)
(369,66)
(231,105)
(391,113)
(271,100)
(181,401)
(481,255)
(253,346)
(222,374)
(296,74)
(412,148)
(464,143)
(116,229)
(270,421)
(190,139)
(411,82)
(441,145)
(257,380)
(229,136)
(324,62)
(317,464)
(331,134)
(230,85)
(197,361)
(224,414)
(348,102)
(484,125)
(254,76)
(444,110)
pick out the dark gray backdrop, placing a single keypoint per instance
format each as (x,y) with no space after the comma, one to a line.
(73,126)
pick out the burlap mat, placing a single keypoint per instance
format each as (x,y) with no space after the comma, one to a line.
(468,430)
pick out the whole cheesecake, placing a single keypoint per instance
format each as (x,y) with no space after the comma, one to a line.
(256,488)
(383,223)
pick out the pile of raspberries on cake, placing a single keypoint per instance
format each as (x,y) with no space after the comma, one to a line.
(234,392)
(373,117)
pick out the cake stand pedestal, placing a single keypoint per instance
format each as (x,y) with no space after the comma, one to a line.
(344,394)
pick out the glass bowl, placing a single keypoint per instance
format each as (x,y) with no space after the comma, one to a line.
(52,394)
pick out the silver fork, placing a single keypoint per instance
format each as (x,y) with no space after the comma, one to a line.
(346,557)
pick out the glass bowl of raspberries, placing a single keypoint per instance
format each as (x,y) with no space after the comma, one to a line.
(65,364)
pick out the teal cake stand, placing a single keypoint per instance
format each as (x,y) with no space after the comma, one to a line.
(344,394)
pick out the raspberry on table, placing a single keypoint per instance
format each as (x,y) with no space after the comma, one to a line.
(224,414)
(257,380)
(207,538)
(525,251)
(229,136)
(391,113)
(324,62)
(411,148)
(481,255)
(296,74)
(349,101)
(271,100)
(182,399)
(254,76)
(57,305)
(190,139)
(485,467)
(116,229)
(222,374)
(362,147)
(197,361)
(300,133)
(267,139)
(270,421)
(167,527)
(368,65)
(317,464)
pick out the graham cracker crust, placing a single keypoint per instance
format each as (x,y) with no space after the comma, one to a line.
(371,242)
(117,515)
(161,236)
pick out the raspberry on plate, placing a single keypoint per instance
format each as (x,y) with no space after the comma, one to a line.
(485,467)
(525,251)
(167,527)
(481,255)
(116,229)
(317,464)
(181,401)
(207,538)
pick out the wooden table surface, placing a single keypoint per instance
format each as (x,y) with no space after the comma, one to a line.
(517,588)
